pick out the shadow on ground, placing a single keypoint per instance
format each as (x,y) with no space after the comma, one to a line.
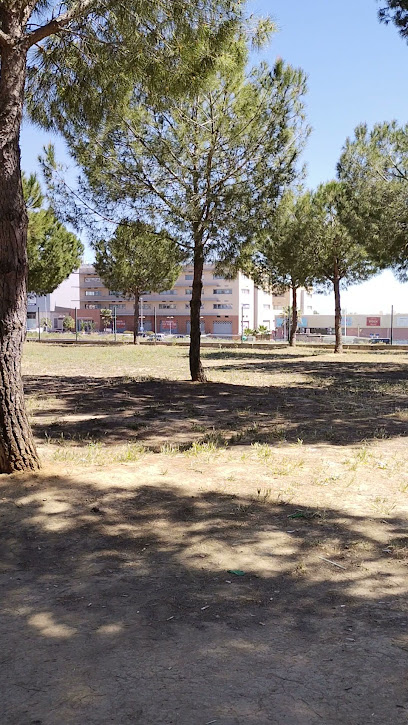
(144,605)
(340,404)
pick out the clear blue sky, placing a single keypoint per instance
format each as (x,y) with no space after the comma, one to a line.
(357,70)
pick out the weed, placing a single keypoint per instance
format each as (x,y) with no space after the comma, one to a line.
(198,448)
(382,506)
(131,452)
(170,449)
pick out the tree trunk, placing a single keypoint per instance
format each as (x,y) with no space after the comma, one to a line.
(196,368)
(136,319)
(338,348)
(17,449)
(294,321)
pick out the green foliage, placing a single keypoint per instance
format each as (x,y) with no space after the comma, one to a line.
(373,169)
(68,323)
(283,256)
(337,254)
(204,166)
(32,193)
(165,48)
(106,316)
(53,251)
(138,258)
(395,11)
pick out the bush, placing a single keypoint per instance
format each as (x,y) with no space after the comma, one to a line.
(68,323)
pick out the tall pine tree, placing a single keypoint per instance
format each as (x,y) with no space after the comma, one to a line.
(202,166)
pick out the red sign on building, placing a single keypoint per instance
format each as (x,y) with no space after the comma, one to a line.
(373,321)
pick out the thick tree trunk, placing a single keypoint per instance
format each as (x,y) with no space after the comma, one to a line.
(17,450)
(294,321)
(196,368)
(136,319)
(338,348)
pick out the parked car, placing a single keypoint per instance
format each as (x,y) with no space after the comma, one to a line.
(380,341)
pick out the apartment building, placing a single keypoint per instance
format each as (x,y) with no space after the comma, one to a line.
(228,306)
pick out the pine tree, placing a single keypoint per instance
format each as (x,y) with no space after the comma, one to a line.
(53,251)
(203,165)
(78,44)
(339,259)
(373,169)
(283,258)
(136,259)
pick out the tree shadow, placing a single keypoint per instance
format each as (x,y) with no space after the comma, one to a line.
(147,605)
(340,405)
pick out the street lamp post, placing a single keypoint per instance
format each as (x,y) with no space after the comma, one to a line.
(170,323)
(141,315)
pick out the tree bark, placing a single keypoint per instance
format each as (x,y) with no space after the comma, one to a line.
(294,321)
(136,319)
(338,348)
(17,449)
(196,368)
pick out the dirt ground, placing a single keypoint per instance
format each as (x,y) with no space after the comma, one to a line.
(231,553)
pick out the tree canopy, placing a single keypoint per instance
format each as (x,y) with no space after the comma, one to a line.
(395,11)
(53,251)
(338,257)
(283,257)
(373,169)
(137,259)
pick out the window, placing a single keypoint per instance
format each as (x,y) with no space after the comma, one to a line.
(117,307)
(245,291)
(146,307)
(93,307)
(218,276)
(169,292)
(115,294)
(222,291)
(246,307)
(167,306)
(222,307)
(92,293)
(188,291)
(189,277)
(93,280)
(267,323)
(267,307)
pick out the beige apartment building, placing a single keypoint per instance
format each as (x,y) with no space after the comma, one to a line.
(228,306)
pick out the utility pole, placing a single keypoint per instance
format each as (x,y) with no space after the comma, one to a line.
(392,324)
(39,326)
(141,315)
(76,325)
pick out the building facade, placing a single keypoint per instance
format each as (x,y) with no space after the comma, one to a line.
(228,306)
(364,327)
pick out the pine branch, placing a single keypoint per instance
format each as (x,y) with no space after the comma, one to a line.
(79,9)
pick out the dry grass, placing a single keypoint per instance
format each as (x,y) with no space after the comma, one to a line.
(185,543)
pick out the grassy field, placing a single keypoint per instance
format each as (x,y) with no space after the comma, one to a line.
(230,553)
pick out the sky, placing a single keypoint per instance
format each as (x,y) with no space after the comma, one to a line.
(357,72)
